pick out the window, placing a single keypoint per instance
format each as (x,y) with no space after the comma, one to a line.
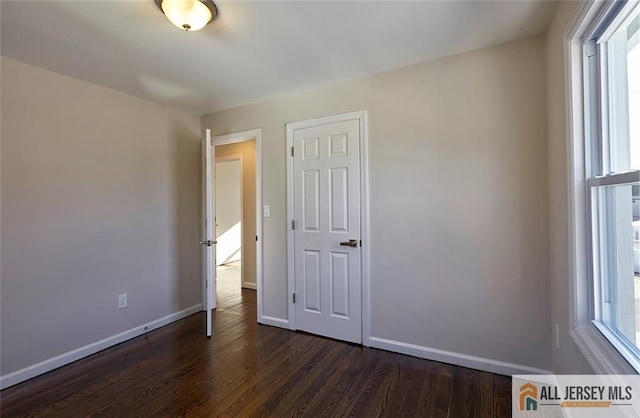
(612,165)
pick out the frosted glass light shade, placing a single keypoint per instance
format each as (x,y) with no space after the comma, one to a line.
(189,15)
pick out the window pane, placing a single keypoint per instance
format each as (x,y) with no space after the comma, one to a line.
(623,62)
(617,214)
(633,66)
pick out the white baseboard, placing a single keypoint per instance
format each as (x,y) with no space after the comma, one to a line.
(69,357)
(251,286)
(273,321)
(464,360)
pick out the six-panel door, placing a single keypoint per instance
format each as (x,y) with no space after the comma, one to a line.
(326,172)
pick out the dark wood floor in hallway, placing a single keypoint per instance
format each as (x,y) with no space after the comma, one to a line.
(248,370)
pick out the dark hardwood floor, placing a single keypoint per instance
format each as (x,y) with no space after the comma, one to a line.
(254,370)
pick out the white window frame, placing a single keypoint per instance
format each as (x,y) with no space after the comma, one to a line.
(591,339)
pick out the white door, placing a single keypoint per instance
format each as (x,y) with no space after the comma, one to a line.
(326,196)
(209,240)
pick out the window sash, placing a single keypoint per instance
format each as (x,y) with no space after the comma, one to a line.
(632,176)
(605,273)
(606,106)
(605,139)
(617,16)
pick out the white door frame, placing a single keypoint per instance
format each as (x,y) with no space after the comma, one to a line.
(361,117)
(232,138)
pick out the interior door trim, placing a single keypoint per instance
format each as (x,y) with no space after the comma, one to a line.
(361,117)
(232,138)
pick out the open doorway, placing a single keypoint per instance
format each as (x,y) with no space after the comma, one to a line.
(229,223)
(236,226)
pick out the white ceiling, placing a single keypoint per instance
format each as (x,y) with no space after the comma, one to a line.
(254,50)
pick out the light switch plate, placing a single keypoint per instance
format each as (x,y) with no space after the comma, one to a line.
(122,301)
(267,211)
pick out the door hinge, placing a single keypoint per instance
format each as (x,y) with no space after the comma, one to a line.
(293,225)
(294,298)
(292,151)
(256,238)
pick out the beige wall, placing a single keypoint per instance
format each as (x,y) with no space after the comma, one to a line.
(459,205)
(100,196)
(248,151)
(566,359)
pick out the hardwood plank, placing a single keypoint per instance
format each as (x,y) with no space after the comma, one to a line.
(342,377)
(431,396)
(294,397)
(502,396)
(374,397)
(408,379)
(350,386)
(472,394)
(253,393)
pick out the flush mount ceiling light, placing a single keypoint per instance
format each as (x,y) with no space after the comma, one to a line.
(189,15)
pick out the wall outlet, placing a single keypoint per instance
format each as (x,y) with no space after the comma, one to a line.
(122,301)
(556,336)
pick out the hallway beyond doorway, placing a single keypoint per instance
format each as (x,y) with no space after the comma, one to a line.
(229,289)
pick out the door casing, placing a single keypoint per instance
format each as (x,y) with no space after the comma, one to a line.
(361,117)
(232,138)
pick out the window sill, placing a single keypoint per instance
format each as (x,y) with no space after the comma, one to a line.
(600,354)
